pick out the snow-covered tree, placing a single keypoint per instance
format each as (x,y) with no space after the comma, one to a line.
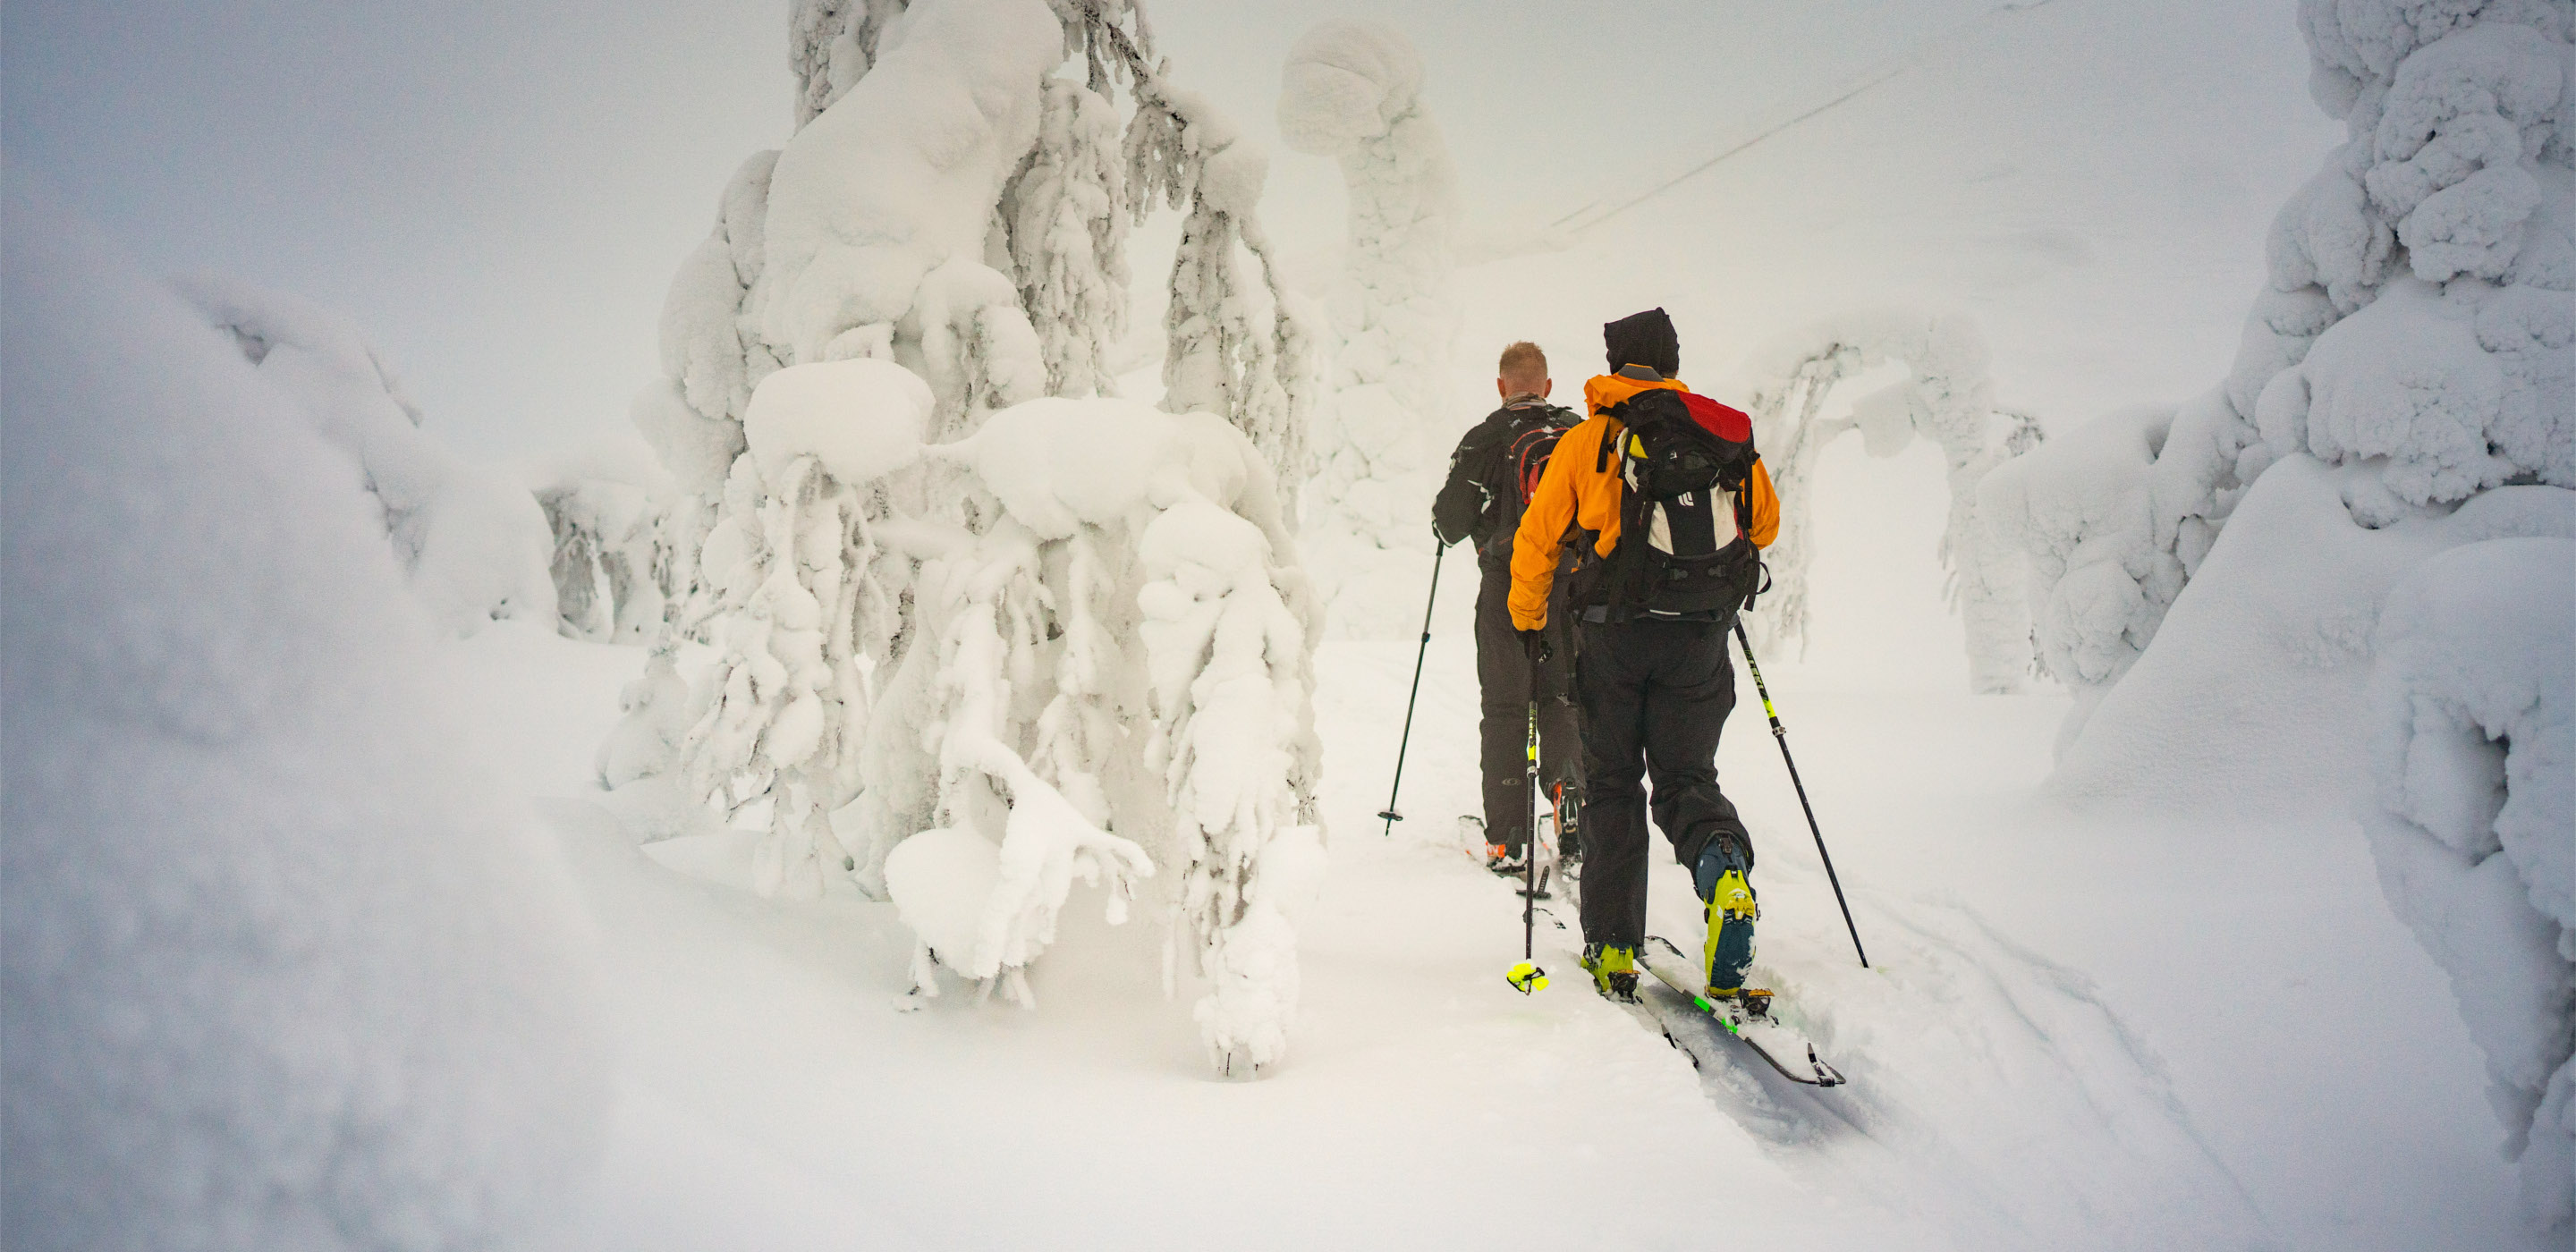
(1352,90)
(2419,323)
(2474,699)
(1948,399)
(609,507)
(475,544)
(904,657)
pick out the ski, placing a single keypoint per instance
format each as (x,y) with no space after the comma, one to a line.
(1749,1020)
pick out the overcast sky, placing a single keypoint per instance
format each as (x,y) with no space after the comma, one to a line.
(499,192)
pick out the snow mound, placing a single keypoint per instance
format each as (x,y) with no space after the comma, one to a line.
(475,543)
(2252,695)
(862,419)
(2474,697)
(280,972)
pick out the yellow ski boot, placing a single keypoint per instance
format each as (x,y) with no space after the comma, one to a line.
(1614,971)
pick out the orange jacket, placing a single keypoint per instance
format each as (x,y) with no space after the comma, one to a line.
(1574,493)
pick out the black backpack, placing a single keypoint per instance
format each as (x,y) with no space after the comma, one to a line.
(1682,551)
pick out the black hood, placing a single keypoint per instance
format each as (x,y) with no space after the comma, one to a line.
(1644,339)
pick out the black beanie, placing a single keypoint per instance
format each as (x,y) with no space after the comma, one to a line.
(1644,339)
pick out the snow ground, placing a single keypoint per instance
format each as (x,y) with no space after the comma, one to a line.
(2206,1056)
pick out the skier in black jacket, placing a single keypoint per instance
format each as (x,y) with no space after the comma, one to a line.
(1483,501)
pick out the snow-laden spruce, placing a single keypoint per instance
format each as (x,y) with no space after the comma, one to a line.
(2474,697)
(1946,398)
(609,507)
(2419,322)
(1352,90)
(916,681)
(475,544)
(1107,632)
(280,970)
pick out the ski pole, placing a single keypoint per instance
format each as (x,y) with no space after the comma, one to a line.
(1781,733)
(1391,816)
(1526,977)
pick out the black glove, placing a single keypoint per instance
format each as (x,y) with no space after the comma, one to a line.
(1534,644)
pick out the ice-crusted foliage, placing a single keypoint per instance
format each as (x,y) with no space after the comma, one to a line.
(2420,317)
(1353,91)
(798,613)
(281,967)
(1949,400)
(1066,212)
(1110,668)
(474,543)
(1184,154)
(947,204)
(831,44)
(2474,699)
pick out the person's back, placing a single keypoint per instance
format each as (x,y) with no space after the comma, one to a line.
(1490,477)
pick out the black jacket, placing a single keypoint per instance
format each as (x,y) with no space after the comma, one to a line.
(1481,500)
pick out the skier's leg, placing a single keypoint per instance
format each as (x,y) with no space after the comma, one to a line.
(1686,712)
(1686,706)
(1503,679)
(1609,688)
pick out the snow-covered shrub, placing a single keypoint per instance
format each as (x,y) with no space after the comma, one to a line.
(2083,514)
(1352,90)
(1949,400)
(474,543)
(279,970)
(1125,645)
(2420,317)
(609,506)
(2474,698)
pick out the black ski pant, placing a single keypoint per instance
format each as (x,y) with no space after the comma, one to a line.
(1655,693)
(1507,683)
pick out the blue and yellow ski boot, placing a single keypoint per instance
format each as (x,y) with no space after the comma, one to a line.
(1726,895)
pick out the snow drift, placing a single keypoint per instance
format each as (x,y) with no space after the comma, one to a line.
(280,973)
(2474,700)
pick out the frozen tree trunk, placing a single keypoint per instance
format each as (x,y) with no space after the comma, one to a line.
(1353,91)
(1948,400)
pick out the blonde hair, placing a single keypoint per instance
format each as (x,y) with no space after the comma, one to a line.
(1523,366)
